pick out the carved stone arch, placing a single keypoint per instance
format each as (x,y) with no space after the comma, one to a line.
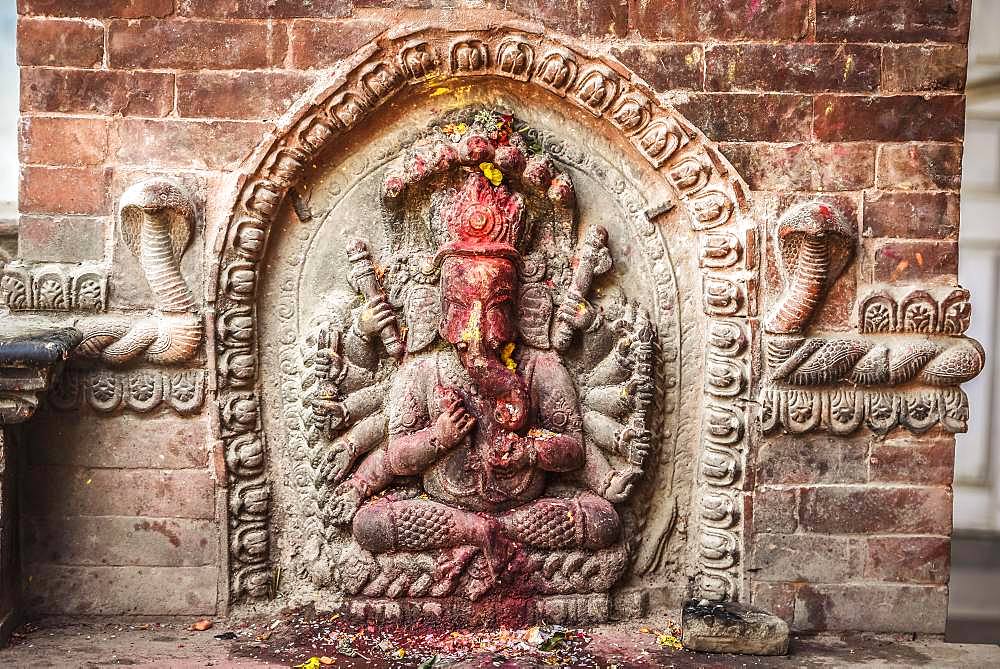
(706,194)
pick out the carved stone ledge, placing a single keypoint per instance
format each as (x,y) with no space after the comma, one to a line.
(732,628)
(31,355)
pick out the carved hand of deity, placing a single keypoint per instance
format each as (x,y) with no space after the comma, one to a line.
(577,312)
(335,462)
(376,315)
(510,451)
(343,503)
(620,484)
(454,423)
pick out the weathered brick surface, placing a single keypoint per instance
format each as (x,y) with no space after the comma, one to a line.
(239,95)
(798,67)
(126,9)
(158,441)
(263,9)
(893,20)
(812,459)
(908,261)
(64,190)
(775,510)
(784,20)
(848,118)
(323,44)
(804,167)
(63,141)
(749,117)
(184,144)
(911,215)
(62,238)
(871,607)
(665,66)
(908,559)
(60,43)
(119,541)
(805,557)
(598,19)
(923,67)
(927,461)
(105,92)
(871,510)
(156,591)
(919,166)
(775,598)
(195,45)
(183,493)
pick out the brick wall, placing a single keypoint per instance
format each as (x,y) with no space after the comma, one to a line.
(858,99)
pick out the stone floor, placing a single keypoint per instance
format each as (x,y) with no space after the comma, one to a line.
(170,643)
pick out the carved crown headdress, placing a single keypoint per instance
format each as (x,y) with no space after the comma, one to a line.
(483,220)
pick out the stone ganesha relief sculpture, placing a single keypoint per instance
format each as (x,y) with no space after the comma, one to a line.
(474,417)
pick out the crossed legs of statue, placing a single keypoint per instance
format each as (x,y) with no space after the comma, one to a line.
(585,521)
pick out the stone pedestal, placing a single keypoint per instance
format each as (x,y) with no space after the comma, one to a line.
(732,628)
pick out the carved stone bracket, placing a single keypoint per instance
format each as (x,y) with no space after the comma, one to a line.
(31,356)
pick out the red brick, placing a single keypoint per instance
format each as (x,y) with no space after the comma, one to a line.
(238,95)
(894,118)
(96,92)
(775,510)
(927,461)
(60,42)
(776,598)
(264,9)
(607,18)
(923,68)
(100,9)
(748,117)
(158,591)
(769,20)
(911,215)
(803,167)
(808,68)
(63,141)
(812,558)
(61,239)
(869,510)
(323,44)
(196,45)
(64,190)
(893,20)
(871,607)
(919,166)
(815,459)
(119,541)
(665,66)
(903,261)
(159,493)
(908,559)
(179,144)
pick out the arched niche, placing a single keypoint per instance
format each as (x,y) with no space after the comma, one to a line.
(683,247)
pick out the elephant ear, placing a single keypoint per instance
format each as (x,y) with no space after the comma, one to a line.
(535,315)
(423,313)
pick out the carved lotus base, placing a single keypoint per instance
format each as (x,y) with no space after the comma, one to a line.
(466,573)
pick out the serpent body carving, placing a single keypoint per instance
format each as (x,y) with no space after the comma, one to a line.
(157,221)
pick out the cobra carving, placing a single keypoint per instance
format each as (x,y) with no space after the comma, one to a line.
(156,219)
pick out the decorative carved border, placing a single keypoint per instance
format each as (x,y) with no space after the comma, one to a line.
(54,287)
(937,311)
(706,186)
(141,391)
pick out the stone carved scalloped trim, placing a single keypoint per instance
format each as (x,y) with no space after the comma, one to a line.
(705,185)
(140,391)
(54,287)
(944,311)
(840,384)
